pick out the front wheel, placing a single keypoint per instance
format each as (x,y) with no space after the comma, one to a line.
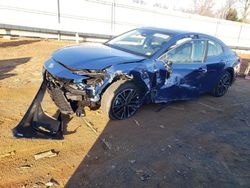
(121,100)
(222,86)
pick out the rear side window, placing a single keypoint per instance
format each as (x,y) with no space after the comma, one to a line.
(214,49)
(189,52)
(198,51)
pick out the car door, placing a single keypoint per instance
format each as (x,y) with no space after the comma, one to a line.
(188,71)
(215,62)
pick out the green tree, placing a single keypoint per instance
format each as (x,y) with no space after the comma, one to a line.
(232,14)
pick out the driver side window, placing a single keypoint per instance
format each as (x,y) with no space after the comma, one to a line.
(192,51)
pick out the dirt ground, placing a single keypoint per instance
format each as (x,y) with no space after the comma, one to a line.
(199,143)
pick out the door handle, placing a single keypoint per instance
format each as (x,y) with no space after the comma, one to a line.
(204,70)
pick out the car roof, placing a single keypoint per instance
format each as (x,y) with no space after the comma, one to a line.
(164,30)
(180,33)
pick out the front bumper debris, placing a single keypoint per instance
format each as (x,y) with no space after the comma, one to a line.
(36,123)
(71,97)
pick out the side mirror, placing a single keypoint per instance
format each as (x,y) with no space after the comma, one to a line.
(168,66)
(169,62)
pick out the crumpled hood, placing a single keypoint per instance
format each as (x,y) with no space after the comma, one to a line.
(93,57)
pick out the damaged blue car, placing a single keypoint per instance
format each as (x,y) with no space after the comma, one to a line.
(145,65)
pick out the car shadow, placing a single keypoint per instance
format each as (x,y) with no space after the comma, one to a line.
(177,146)
(17,43)
(66,120)
(7,65)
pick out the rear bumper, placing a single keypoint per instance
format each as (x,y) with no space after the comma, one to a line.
(236,70)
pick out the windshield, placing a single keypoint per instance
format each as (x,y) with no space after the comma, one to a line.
(141,42)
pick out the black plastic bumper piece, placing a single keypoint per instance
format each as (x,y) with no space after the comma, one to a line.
(36,123)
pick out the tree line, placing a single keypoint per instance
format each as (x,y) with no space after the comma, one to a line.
(234,10)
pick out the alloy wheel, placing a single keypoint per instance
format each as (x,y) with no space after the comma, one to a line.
(223,85)
(125,104)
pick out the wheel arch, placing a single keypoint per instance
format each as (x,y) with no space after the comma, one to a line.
(134,76)
(139,81)
(230,70)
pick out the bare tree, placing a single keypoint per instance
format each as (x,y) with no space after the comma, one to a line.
(223,11)
(230,3)
(202,7)
(141,2)
(245,4)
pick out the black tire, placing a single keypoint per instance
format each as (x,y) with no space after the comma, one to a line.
(121,100)
(222,86)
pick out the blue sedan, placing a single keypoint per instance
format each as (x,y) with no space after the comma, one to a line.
(145,65)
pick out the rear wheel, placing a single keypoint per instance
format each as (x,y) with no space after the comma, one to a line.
(121,100)
(221,88)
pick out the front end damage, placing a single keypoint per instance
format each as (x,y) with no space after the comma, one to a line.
(70,96)
(83,88)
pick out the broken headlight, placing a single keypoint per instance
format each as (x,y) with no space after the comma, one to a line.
(92,73)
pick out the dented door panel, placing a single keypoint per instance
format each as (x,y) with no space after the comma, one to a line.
(184,83)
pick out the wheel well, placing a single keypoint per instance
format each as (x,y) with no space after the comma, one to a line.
(135,79)
(137,82)
(117,78)
(140,84)
(231,72)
